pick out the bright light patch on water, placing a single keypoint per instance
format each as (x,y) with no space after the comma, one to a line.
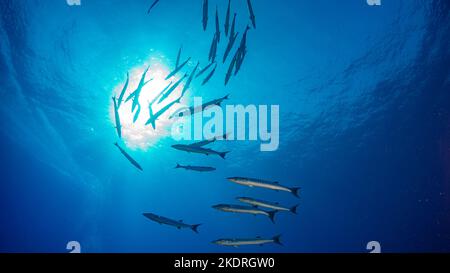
(137,135)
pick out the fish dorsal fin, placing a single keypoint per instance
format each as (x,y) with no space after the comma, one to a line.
(259,237)
(276,203)
(181,221)
(276,182)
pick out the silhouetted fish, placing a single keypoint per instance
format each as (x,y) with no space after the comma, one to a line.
(124,89)
(227,18)
(209,75)
(204,70)
(178,68)
(205,14)
(117,118)
(153,5)
(246,209)
(252,15)
(266,204)
(195,168)
(132,161)
(199,150)
(253,182)
(217,26)
(241,242)
(163,220)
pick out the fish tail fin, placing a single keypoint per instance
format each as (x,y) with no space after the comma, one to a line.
(295,191)
(272,215)
(195,228)
(116,144)
(177,166)
(294,209)
(276,239)
(223,154)
(226,97)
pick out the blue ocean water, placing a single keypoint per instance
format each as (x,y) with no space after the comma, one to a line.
(364,96)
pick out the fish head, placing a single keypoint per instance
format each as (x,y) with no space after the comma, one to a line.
(219,206)
(234,179)
(150,215)
(242,199)
(177,146)
(218,242)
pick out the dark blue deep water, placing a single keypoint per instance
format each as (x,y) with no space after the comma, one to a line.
(364,96)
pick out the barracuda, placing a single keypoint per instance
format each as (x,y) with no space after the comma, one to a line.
(253,182)
(246,209)
(241,242)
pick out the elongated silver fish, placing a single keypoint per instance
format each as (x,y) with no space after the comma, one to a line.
(217,25)
(160,94)
(177,63)
(209,141)
(204,70)
(189,80)
(153,117)
(209,76)
(135,95)
(178,224)
(178,68)
(195,168)
(199,150)
(117,118)
(205,14)
(136,114)
(253,182)
(132,161)
(266,204)
(233,26)
(171,89)
(124,89)
(213,49)
(229,46)
(254,241)
(187,111)
(227,18)
(246,209)
(231,66)
(152,6)
(242,51)
(252,14)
